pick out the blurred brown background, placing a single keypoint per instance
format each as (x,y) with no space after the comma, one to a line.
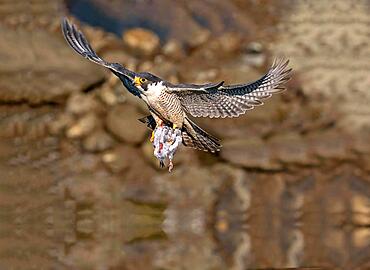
(79,188)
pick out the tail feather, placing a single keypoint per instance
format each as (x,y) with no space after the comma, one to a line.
(198,138)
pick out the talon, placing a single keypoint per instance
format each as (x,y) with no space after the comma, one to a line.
(170,166)
(161,164)
(152,137)
(174,126)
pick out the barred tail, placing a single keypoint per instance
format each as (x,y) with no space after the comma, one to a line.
(194,136)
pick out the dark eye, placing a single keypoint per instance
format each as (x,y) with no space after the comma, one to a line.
(142,80)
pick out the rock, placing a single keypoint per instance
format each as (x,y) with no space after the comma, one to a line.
(63,121)
(98,141)
(122,121)
(361,207)
(174,50)
(328,145)
(249,153)
(207,75)
(120,158)
(132,100)
(83,126)
(108,96)
(79,104)
(141,41)
(254,48)
(160,67)
(236,71)
(190,192)
(360,142)
(200,37)
(291,148)
(57,72)
(120,55)
(128,162)
(85,226)
(147,150)
(254,54)
(230,42)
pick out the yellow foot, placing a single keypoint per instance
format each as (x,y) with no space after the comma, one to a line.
(152,137)
(174,126)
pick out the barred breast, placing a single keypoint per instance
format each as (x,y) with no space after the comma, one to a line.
(167,104)
(172,108)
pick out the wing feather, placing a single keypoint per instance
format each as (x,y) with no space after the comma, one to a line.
(193,87)
(234,100)
(79,44)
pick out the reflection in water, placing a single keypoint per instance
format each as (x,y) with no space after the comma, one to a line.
(76,192)
(56,213)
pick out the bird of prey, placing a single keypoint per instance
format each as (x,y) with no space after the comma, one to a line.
(171,104)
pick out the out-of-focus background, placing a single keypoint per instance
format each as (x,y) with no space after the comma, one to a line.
(79,188)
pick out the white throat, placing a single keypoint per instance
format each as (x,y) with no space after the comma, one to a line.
(155,88)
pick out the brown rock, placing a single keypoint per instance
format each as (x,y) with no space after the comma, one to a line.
(230,42)
(122,121)
(291,148)
(254,54)
(57,72)
(361,143)
(147,150)
(62,122)
(141,41)
(329,145)
(85,226)
(133,170)
(160,67)
(79,103)
(120,158)
(120,55)
(98,141)
(360,205)
(249,153)
(83,126)
(173,49)
(108,96)
(132,100)
(200,37)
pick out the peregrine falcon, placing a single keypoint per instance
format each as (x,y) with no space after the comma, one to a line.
(171,104)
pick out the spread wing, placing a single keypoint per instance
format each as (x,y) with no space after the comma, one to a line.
(233,100)
(79,43)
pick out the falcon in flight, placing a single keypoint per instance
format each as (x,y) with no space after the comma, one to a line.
(171,104)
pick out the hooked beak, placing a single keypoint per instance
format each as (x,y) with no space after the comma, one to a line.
(137,81)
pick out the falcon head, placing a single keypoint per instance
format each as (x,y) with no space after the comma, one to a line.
(143,80)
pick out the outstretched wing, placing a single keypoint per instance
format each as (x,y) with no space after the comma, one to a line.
(79,43)
(233,100)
